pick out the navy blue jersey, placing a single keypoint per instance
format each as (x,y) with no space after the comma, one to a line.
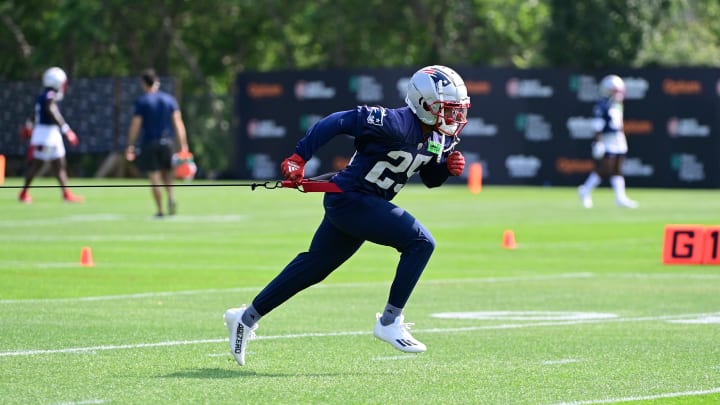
(156,109)
(611,114)
(389,148)
(42,113)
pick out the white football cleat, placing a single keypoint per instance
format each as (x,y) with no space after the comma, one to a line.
(627,203)
(585,198)
(398,335)
(239,333)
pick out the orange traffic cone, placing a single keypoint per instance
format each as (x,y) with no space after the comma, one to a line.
(86,258)
(509,240)
(474,180)
(2,169)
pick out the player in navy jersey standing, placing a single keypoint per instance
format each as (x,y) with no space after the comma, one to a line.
(390,146)
(609,145)
(46,140)
(157,116)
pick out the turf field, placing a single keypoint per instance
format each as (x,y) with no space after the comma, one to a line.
(582,312)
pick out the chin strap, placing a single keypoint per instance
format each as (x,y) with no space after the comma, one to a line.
(456,140)
(441,118)
(442,142)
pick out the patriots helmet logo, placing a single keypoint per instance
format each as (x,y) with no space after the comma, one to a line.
(437,76)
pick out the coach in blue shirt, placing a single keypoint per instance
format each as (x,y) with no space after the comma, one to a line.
(158,120)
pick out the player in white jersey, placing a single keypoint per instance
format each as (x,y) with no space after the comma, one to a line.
(610,144)
(48,129)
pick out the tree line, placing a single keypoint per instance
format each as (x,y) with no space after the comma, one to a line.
(204,44)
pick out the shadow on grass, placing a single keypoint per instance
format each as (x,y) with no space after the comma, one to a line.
(209,373)
(217,373)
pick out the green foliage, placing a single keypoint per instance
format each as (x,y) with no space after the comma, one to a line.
(593,33)
(686,36)
(205,44)
(508,33)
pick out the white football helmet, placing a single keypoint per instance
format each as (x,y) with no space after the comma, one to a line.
(612,86)
(438,97)
(55,78)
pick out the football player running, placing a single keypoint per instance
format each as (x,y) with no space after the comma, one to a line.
(390,146)
(609,145)
(46,140)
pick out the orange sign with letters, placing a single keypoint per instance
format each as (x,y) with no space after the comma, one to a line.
(691,244)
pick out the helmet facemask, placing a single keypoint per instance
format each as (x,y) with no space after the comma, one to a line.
(451,117)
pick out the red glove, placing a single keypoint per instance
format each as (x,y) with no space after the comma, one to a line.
(293,168)
(72,137)
(26,130)
(455,163)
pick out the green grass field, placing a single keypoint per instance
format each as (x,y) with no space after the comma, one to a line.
(582,312)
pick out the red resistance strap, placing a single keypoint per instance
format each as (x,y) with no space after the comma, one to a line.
(313,186)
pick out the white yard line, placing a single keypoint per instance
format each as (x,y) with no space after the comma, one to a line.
(666,276)
(644,397)
(399,357)
(561,361)
(85,402)
(489,280)
(258,288)
(19,264)
(72,219)
(128,296)
(91,349)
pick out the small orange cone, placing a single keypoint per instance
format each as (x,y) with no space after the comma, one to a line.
(2,169)
(86,258)
(475,174)
(509,240)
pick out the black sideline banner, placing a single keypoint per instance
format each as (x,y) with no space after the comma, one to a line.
(525,126)
(528,127)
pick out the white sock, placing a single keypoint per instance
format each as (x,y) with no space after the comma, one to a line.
(618,185)
(592,181)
